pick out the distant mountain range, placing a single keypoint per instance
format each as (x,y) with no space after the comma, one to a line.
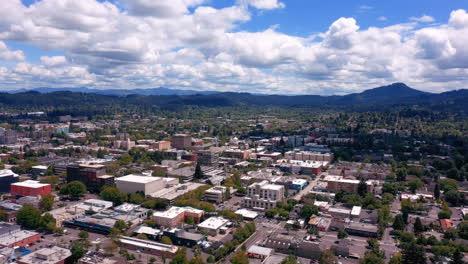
(119,92)
(397,94)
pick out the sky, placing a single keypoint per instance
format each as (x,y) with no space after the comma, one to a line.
(258,46)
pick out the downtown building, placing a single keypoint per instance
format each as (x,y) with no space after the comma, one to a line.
(263,196)
(92,175)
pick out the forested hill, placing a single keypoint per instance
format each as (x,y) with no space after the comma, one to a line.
(397,94)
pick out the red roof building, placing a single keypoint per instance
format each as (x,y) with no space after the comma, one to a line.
(30,188)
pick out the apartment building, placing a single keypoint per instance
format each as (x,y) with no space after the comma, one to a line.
(263,195)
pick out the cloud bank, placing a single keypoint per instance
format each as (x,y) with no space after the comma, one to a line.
(189,44)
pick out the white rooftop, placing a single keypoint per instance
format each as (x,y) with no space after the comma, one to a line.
(31,184)
(40,167)
(175,211)
(356,210)
(260,250)
(147,230)
(148,244)
(247,213)
(137,178)
(299,181)
(47,255)
(16,236)
(6,173)
(273,187)
(213,223)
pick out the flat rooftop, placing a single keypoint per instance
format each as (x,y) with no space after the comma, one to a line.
(6,173)
(46,255)
(175,211)
(16,236)
(136,178)
(148,244)
(30,184)
(213,223)
(175,191)
(247,213)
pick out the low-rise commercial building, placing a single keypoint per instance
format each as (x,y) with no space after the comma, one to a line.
(148,247)
(53,255)
(213,225)
(12,235)
(176,216)
(216,194)
(362,229)
(259,252)
(30,188)
(181,237)
(140,183)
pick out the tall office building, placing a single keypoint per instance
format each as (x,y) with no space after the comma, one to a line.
(181,141)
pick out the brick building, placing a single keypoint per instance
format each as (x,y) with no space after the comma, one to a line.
(30,188)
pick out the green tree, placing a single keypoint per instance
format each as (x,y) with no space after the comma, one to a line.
(437,191)
(418,226)
(136,198)
(413,254)
(3,215)
(120,225)
(362,188)
(47,202)
(83,235)
(180,257)
(291,259)
(142,236)
(114,195)
(342,234)
(448,185)
(78,250)
(398,222)
(48,223)
(240,258)
(74,189)
(308,210)
(415,184)
(371,258)
(28,217)
(166,240)
(457,257)
(401,174)
(463,230)
(328,257)
(198,171)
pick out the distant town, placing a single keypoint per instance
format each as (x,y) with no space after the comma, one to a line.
(287,186)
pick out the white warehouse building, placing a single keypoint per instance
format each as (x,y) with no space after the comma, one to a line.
(142,183)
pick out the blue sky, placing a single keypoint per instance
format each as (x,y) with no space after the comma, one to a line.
(271,46)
